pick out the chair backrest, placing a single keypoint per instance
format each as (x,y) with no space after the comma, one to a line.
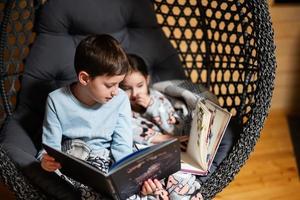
(50,62)
(63,24)
(227,45)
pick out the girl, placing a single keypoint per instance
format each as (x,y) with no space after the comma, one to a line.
(154,121)
(154,118)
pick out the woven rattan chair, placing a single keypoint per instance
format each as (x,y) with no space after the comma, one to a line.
(225,45)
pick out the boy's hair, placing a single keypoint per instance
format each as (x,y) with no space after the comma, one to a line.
(137,64)
(101,55)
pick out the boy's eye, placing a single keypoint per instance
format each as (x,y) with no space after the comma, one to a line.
(109,86)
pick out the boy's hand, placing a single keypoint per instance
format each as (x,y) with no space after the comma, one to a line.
(143,100)
(151,186)
(49,164)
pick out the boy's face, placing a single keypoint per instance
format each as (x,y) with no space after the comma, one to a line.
(135,84)
(103,88)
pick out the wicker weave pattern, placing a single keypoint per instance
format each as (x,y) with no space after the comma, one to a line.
(226,45)
(17,182)
(16,36)
(216,41)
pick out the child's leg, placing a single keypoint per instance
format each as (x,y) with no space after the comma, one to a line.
(79,149)
(100,159)
(179,186)
(183,186)
(76,148)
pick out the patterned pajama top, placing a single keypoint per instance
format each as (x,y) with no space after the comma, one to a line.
(155,119)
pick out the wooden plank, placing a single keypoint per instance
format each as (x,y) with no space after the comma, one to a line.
(5,193)
(282,29)
(288,12)
(271,171)
(288,81)
(288,46)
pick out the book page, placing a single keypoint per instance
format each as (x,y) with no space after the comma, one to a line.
(189,165)
(198,141)
(219,122)
(208,127)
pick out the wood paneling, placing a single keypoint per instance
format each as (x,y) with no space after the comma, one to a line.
(5,193)
(286,23)
(271,171)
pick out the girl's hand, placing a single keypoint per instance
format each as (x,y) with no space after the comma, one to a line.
(164,137)
(172,119)
(49,164)
(151,186)
(184,138)
(161,138)
(143,100)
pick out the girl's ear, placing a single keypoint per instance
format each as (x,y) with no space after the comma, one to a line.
(83,77)
(148,79)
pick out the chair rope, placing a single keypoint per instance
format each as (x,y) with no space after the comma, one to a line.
(3,40)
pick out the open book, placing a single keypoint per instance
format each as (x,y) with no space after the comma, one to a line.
(126,176)
(207,129)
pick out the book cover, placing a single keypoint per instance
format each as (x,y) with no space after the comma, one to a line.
(126,176)
(207,130)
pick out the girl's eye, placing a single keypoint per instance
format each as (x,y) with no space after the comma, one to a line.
(140,85)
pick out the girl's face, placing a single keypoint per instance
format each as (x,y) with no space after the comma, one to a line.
(135,84)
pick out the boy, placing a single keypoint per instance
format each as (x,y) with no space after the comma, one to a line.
(91,117)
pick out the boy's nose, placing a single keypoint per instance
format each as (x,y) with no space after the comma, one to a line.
(114,92)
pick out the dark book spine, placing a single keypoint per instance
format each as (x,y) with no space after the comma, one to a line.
(114,193)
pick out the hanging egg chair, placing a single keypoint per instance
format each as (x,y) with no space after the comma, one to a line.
(227,46)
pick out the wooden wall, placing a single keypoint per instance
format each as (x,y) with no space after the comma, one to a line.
(286,23)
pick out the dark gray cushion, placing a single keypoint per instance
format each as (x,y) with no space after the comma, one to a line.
(63,24)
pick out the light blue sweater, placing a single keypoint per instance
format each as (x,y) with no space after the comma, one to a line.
(100,126)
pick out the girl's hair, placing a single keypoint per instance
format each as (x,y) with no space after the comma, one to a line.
(101,55)
(137,64)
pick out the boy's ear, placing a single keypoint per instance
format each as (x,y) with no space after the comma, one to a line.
(83,77)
